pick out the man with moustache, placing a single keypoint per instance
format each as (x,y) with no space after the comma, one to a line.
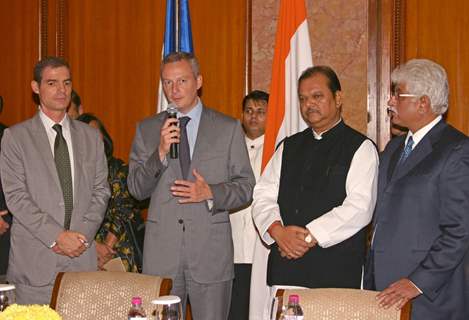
(54,176)
(188,233)
(317,194)
(420,246)
(253,117)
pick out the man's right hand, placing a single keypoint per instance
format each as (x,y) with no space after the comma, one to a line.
(3,224)
(290,240)
(169,134)
(70,244)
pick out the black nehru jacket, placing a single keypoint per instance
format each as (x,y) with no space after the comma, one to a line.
(312,182)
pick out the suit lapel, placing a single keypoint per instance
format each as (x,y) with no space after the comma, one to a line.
(202,143)
(421,151)
(78,147)
(42,143)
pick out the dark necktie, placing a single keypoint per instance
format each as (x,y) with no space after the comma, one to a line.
(184,150)
(407,150)
(64,171)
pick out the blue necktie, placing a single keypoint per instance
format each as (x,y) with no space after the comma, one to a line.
(407,150)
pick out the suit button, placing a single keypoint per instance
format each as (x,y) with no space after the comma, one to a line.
(181,221)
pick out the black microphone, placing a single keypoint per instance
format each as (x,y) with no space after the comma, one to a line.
(173,149)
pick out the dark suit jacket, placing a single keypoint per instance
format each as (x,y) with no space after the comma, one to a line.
(422,223)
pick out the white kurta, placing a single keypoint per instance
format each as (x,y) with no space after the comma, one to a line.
(242,226)
(331,228)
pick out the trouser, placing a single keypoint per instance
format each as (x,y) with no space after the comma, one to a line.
(209,301)
(239,309)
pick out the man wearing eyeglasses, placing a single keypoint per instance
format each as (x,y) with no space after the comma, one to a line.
(420,245)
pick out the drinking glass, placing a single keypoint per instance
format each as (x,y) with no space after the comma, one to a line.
(7,295)
(167,308)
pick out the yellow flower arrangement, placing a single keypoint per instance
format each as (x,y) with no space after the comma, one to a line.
(32,312)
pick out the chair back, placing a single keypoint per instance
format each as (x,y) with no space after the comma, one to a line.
(343,304)
(104,294)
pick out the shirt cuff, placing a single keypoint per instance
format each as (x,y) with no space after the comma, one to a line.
(53,244)
(321,235)
(209,204)
(421,292)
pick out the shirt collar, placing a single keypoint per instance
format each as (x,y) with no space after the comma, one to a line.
(49,123)
(195,113)
(418,135)
(319,136)
(259,141)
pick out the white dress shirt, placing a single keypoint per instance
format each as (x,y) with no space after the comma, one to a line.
(242,227)
(51,134)
(338,224)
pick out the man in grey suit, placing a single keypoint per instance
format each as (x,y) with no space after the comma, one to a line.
(420,246)
(188,233)
(54,175)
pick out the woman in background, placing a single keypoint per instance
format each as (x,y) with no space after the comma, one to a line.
(121,233)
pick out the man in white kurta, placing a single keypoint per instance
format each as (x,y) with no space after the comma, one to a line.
(318,232)
(244,233)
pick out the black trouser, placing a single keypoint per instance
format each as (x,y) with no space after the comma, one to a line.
(239,309)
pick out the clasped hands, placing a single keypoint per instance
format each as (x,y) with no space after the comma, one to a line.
(70,243)
(293,241)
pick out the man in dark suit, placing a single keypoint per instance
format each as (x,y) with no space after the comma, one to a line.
(54,175)
(420,245)
(188,233)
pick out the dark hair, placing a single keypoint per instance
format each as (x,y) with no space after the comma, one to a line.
(53,62)
(256,95)
(182,56)
(76,99)
(108,144)
(333,80)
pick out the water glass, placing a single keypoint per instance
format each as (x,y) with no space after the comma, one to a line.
(167,308)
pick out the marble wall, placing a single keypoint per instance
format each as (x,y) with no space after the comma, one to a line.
(338,31)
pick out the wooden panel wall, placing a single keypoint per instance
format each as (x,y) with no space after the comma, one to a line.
(19,47)
(114,49)
(437,30)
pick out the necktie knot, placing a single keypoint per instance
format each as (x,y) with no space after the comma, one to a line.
(58,128)
(407,150)
(183,121)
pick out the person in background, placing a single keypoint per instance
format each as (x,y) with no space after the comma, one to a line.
(75,108)
(5,220)
(54,176)
(244,233)
(188,231)
(317,194)
(120,234)
(420,246)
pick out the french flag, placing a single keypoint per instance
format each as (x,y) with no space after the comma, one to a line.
(177,36)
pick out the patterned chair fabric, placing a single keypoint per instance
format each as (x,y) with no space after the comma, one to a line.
(343,304)
(103,294)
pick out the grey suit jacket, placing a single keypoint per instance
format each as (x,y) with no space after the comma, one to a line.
(221,157)
(34,197)
(422,223)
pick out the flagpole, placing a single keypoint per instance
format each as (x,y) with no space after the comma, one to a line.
(177,25)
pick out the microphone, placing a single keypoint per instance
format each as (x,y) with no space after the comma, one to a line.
(174,147)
